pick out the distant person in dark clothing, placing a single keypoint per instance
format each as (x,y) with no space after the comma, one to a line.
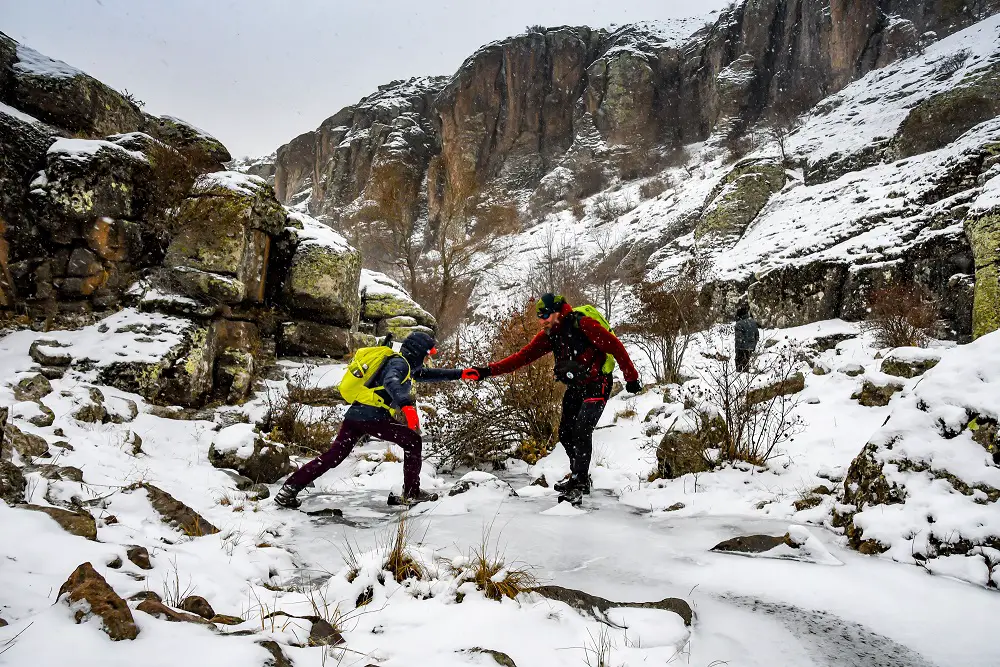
(747,334)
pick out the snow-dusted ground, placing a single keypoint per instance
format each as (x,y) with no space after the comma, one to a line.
(832,607)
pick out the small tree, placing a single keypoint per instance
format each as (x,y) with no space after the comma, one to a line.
(666,317)
(757,405)
(485,423)
(903,315)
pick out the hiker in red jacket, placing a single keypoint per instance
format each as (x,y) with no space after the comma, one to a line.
(581,346)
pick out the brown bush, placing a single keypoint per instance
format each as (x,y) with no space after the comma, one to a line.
(654,187)
(902,316)
(589,180)
(486,422)
(291,419)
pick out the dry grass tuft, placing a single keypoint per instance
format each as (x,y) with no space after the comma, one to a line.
(493,576)
(398,561)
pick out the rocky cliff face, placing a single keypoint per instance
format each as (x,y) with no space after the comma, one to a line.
(517,108)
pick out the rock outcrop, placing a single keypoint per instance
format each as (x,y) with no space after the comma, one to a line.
(89,595)
(926,486)
(241,448)
(983,229)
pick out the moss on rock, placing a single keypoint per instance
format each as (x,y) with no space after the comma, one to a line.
(737,200)
(984,236)
(323,283)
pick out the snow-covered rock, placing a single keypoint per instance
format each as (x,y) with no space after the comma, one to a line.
(926,487)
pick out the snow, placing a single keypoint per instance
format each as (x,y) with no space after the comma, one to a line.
(989,199)
(373,282)
(83,150)
(19,115)
(242,184)
(315,233)
(622,545)
(238,438)
(35,64)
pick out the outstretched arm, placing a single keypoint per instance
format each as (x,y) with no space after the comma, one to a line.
(535,349)
(607,342)
(424,374)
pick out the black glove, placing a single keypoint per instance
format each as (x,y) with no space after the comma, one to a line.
(484,371)
(633,386)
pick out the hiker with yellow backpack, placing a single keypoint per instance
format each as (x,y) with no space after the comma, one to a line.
(585,350)
(379,386)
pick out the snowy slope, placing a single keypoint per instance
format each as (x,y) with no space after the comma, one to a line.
(828,605)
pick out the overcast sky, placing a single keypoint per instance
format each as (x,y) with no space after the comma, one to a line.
(256,73)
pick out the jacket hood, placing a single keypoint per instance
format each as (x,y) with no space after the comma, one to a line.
(416,346)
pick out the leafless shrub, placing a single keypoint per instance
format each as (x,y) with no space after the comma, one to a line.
(654,187)
(609,208)
(902,315)
(561,269)
(738,144)
(589,179)
(607,281)
(578,209)
(485,423)
(598,652)
(129,97)
(952,62)
(667,316)
(290,417)
(757,408)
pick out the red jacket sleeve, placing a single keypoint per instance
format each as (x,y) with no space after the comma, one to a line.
(607,342)
(536,348)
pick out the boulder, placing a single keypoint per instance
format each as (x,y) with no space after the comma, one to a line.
(852,370)
(737,200)
(203,150)
(277,655)
(873,395)
(909,362)
(32,388)
(597,607)
(499,657)
(943,117)
(793,295)
(312,339)
(139,557)
(322,633)
(198,605)
(93,410)
(183,375)
(322,282)
(754,544)
(43,417)
(48,353)
(28,445)
(982,227)
(65,97)
(89,595)
(931,448)
(86,180)
(682,451)
(12,484)
(238,348)
(177,514)
(793,384)
(242,448)
(79,523)
(221,251)
(383,298)
(481,480)
(165,613)
(57,473)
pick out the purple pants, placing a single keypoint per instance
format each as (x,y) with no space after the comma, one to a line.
(353,430)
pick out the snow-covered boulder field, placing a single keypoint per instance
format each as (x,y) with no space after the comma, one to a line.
(924,490)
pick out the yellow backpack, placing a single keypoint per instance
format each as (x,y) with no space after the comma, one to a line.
(592,312)
(366,362)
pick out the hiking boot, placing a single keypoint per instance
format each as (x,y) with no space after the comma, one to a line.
(412,499)
(563,484)
(286,497)
(573,496)
(571,482)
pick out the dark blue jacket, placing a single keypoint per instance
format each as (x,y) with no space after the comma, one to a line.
(392,376)
(747,334)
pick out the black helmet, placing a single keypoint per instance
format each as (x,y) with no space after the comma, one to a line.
(416,346)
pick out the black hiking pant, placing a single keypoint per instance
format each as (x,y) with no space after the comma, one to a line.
(743,360)
(351,431)
(582,407)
